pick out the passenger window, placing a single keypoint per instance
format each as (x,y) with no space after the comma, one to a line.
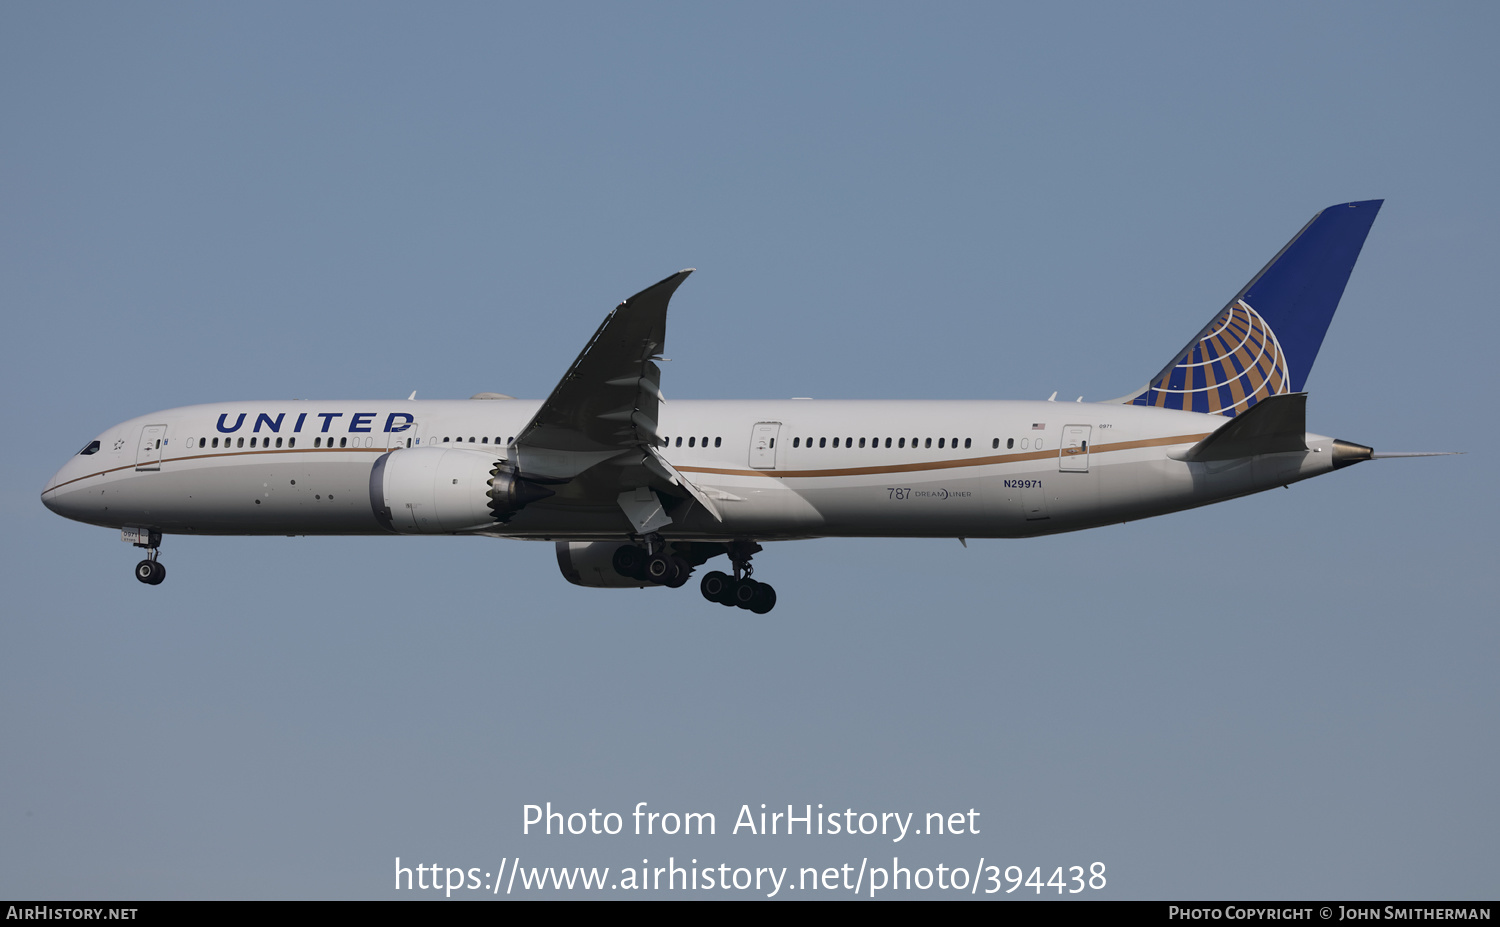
(290,442)
(344,442)
(1009,443)
(718,441)
(940,442)
(240,443)
(202,442)
(692,442)
(901,443)
(822,442)
(317,442)
(887,442)
(929,442)
(278,442)
(679,442)
(996,445)
(968,442)
(216,442)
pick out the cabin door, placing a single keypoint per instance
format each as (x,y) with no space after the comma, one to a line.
(1074,453)
(407,437)
(763,445)
(148,456)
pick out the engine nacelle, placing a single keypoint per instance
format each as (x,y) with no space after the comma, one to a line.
(591,563)
(433,490)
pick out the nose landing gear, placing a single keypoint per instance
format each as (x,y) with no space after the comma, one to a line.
(149,571)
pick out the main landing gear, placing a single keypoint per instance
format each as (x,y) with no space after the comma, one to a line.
(739,590)
(663,568)
(656,564)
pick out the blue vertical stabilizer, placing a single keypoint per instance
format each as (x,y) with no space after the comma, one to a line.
(1265,341)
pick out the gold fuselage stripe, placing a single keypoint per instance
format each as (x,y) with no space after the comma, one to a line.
(279,450)
(915,467)
(950,464)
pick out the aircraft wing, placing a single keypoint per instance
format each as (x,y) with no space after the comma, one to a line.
(605,408)
(608,401)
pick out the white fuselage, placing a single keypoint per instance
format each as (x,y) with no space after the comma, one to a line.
(775,469)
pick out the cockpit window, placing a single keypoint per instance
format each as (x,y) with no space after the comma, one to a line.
(93,448)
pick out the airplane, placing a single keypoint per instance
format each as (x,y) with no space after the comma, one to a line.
(635,491)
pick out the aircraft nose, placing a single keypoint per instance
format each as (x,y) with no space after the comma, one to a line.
(47,490)
(52,498)
(63,499)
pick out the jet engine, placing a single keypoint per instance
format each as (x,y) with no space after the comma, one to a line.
(591,563)
(432,490)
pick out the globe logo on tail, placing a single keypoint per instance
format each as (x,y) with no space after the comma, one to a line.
(1235,364)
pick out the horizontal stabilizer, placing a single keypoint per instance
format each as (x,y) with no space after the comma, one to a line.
(1271,426)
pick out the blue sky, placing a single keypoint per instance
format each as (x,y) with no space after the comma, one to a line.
(1290,695)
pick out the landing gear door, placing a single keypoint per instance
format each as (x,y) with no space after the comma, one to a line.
(148,455)
(763,445)
(1074,453)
